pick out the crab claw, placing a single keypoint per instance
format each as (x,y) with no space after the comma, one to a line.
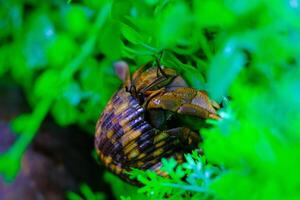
(187,101)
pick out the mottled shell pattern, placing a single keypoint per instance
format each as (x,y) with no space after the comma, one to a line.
(127,135)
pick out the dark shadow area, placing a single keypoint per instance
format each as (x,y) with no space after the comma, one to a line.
(57,161)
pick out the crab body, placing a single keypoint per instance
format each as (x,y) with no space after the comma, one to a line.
(135,129)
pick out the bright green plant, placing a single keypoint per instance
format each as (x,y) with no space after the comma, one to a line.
(189,180)
(244,51)
(85,193)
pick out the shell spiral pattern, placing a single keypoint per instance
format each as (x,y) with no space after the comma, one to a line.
(124,139)
(134,130)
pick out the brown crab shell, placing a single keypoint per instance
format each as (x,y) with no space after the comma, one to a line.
(125,140)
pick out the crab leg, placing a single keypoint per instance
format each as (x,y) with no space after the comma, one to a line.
(186,101)
(164,142)
(187,138)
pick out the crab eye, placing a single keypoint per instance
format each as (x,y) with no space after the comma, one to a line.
(141,98)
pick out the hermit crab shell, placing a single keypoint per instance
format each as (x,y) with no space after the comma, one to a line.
(130,134)
(125,140)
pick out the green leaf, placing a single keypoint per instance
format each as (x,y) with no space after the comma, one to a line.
(76,21)
(110,42)
(10,166)
(224,68)
(213,13)
(48,84)
(38,38)
(173,23)
(130,34)
(64,113)
(22,122)
(61,50)
(73,196)
(87,194)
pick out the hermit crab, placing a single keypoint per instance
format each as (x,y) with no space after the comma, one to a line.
(138,126)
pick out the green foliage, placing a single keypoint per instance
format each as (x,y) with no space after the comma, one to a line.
(86,194)
(189,180)
(244,51)
(121,189)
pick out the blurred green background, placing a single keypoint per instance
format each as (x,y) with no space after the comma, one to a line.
(246,54)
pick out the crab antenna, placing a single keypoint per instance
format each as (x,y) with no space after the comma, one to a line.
(159,69)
